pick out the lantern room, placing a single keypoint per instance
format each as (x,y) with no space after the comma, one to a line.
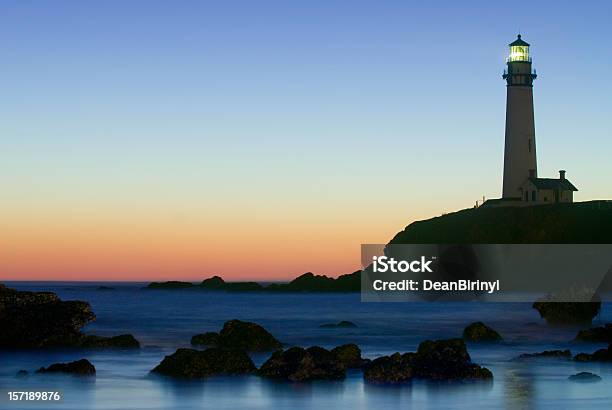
(519,50)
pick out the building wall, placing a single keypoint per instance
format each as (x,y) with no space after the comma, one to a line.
(520,144)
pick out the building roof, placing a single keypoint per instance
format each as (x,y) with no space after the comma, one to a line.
(552,183)
(519,42)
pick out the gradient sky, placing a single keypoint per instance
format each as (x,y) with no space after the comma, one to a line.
(145,140)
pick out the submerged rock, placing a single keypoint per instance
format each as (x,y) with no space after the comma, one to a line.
(479,332)
(81,367)
(601,355)
(196,364)
(206,339)
(394,369)
(299,365)
(567,312)
(602,334)
(341,324)
(584,377)
(40,319)
(248,336)
(22,373)
(434,360)
(557,354)
(349,355)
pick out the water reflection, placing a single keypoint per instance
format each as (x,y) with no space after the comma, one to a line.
(519,389)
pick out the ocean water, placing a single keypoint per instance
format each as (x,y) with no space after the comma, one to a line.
(166,320)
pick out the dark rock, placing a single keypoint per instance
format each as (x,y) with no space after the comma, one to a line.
(434,360)
(126,341)
(341,324)
(105,288)
(172,284)
(479,332)
(557,354)
(298,365)
(309,282)
(214,283)
(571,223)
(206,339)
(80,367)
(40,319)
(248,336)
(22,373)
(447,360)
(601,355)
(393,369)
(196,364)
(349,355)
(567,312)
(584,377)
(602,334)
(217,283)
(243,287)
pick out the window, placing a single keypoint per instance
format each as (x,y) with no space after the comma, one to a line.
(526,196)
(529,144)
(533,196)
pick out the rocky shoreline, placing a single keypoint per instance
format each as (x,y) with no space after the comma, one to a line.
(41,320)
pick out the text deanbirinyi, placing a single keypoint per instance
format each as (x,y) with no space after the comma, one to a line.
(384,264)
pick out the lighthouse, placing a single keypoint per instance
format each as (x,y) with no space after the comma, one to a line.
(520,161)
(522,186)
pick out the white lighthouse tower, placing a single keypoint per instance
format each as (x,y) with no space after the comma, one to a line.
(520,162)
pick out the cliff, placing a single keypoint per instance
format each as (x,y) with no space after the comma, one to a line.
(580,222)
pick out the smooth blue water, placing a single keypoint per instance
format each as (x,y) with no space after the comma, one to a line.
(166,320)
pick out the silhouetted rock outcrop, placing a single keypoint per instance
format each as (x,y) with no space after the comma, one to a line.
(479,332)
(567,312)
(341,324)
(81,367)
(40,319)
(248,336)
(584,377)
(395,369)
(172,284)
(555,354)
(298,365)
(602,334)
(434,360)
(571,223)
(213,283)
(196,364)
(349,355)
(309,282)
(601,355)
(217,283)
(206,339)
(236,334)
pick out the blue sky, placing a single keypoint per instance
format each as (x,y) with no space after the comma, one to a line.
(332,113)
